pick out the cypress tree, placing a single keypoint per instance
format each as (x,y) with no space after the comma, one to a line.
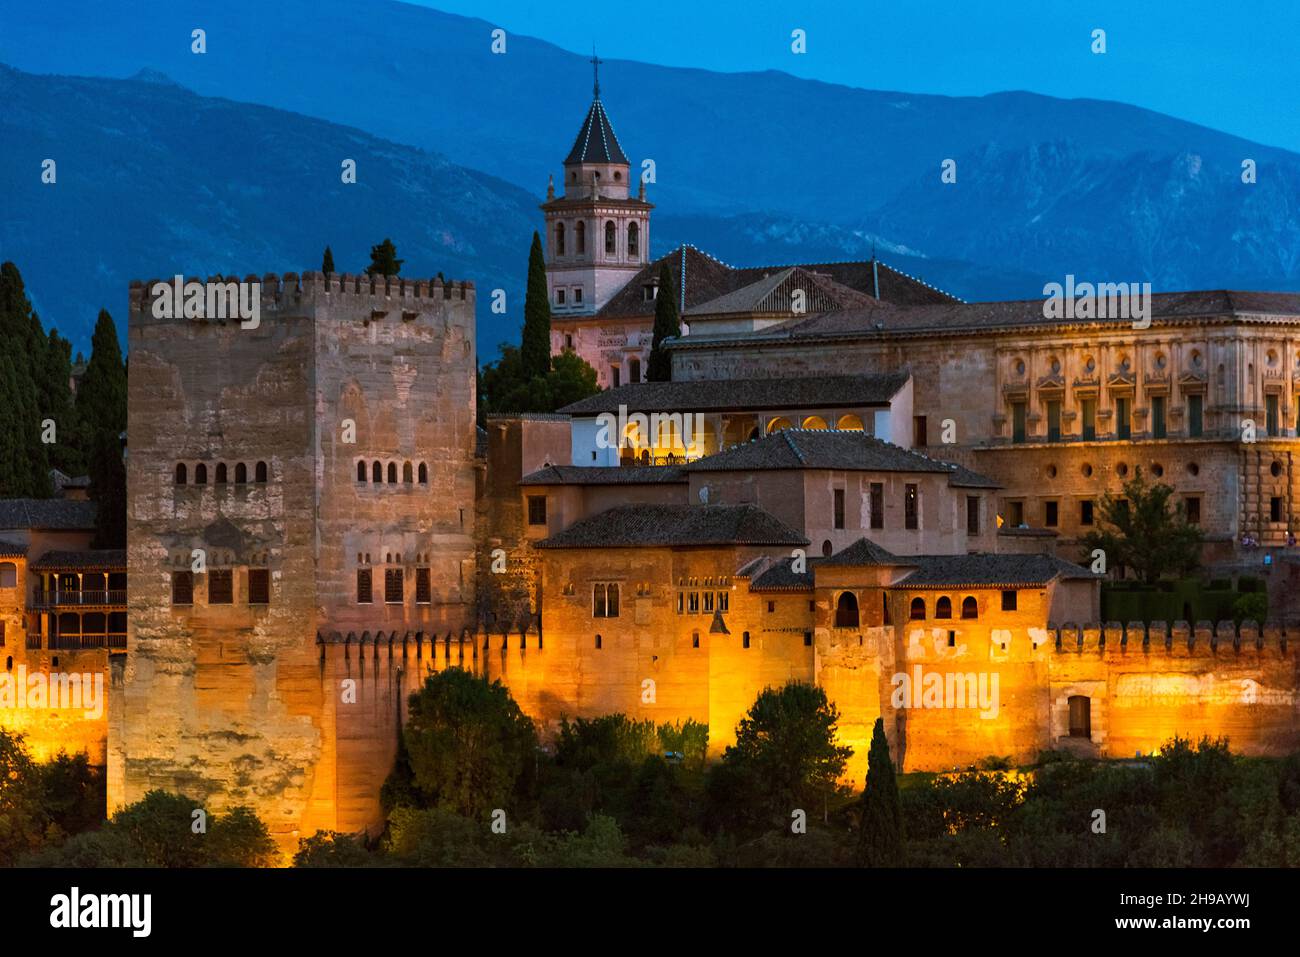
(383,260)
(101,406)
(56,403)
(535,349)
(327,263)
(667,323)
(880,837)
(20,330)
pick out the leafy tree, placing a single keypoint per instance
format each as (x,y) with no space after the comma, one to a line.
(880,842)
(1139,530)
(383,260)
(24,458)
(470,747)
(535,349)
(1250,607)
(785,757)
(327,262)
(332,849)
(667,324)
(101,407)
(504,388)
(23,817)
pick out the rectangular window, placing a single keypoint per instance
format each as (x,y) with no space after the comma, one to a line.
(1085,512)
(1089,420)
(1008,601)
(1193,506)
(1157,417)
(2,633)
(877,505)
(1195,415)
(1123,424)
(394,586)
(839,508)
(724,602)
(616,373)
(1017,422)
(423,587)
(577,295)
(681,602)
(1050,515)
(910,514)
(919,437)
(364,594)
(1054,421)
(537,510)
(259,586)
(1275,509)
(972,514)
(1016,514)
(708,603)
(221,586)
(1271,418)
(182,588)
(604,600)
(693,603)
(559,297)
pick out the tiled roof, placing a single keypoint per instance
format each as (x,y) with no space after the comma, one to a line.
(779,575)
(883,320)
(98,558)
(963,477)
(604,475)
(818,449)
(596,142)
(865,552)
(46,513)
(774,293)
(705,395)
(991,571)
(627,526)
(10,549)
(708,279)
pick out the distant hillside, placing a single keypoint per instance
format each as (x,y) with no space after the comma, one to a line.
(154,180)
(1045,186)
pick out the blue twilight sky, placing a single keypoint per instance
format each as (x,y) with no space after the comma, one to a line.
(1231,65)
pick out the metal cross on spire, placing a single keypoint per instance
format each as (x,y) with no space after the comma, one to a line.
(595,73)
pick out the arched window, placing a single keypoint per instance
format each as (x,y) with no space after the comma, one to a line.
(969,607)
(221,473)
(849,423)
(200,474)
(361,471)
(610,241)
(180,473)
(408,474)
(241,473)
(943,607)
(376,473)
(259,472)
(827,549)
(580,237)
(424,474)
(846,611)
(559,239)
(918,609)
(633,238)
(392,473)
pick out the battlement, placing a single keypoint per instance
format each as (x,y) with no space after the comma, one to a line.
(291,289)
(1180,639)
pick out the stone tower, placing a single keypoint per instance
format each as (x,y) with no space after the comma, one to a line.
(322,463)
(597,233)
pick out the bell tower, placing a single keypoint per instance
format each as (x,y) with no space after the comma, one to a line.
(597,233)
